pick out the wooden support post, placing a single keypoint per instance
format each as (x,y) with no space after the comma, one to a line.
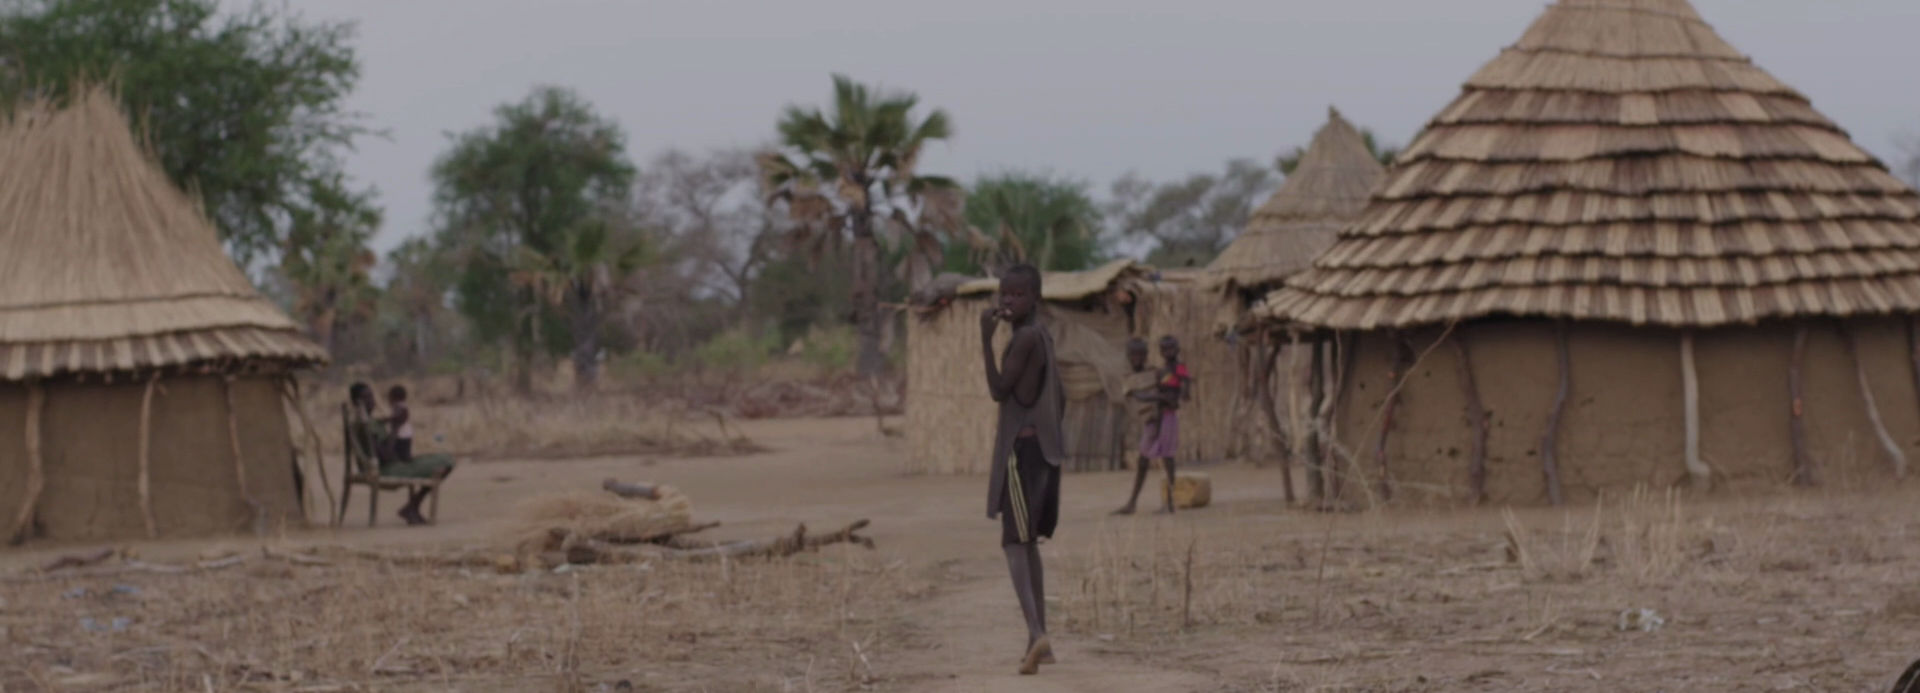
(1797,423)
(1476,420)
(36,469)
(1887,442)
(1550,443)
(290,389)
(1344,346)
(1396,378)
(1316,436)
(1282,441)
(258,518)
(1697,470)
(146,445)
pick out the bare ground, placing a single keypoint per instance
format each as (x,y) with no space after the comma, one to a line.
(1813,591)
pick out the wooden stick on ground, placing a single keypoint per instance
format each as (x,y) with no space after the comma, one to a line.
(1690,387)
(1550,443)
(1873,410)
(258,518)
(146,444)
(1476,420)
(1797,424)
(36,470)
(78,561)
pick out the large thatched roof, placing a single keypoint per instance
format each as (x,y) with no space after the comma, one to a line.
(1622,163)
(1329,187)
(106,266)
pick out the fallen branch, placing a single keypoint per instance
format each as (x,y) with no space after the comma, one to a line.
(593,551)
(78,560)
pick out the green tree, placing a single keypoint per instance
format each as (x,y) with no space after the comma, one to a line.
(1385,154)
(245,107)
(1189,221)
(581,276)
(548,181)
(325,261)
(1025,217)
(852,174)
(416,294)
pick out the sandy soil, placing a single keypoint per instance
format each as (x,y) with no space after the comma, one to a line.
(1810,592)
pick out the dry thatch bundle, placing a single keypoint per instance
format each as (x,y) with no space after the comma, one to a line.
(598,515)
(1331,185)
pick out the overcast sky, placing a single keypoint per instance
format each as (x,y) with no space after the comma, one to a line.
(1087,88)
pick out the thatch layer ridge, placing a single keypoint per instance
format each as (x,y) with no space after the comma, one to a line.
(1622,163)
(1336,174)
(102,249)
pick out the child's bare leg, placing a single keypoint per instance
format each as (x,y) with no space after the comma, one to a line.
(1139,482)
(1022,564)
(1038,573)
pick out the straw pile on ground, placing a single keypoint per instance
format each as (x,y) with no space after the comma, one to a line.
(599,515)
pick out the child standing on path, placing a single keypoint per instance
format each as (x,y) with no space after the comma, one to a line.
(1024,488)
(1162,437)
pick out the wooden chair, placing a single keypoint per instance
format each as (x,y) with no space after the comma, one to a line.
(361,467)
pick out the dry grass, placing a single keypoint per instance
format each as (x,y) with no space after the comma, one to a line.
(813,622)
(1795,592)
(506,426)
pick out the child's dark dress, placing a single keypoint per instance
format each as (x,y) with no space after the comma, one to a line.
(1024,490)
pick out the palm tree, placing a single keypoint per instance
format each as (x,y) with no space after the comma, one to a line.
(581,276)
(1023,217)
(852,173)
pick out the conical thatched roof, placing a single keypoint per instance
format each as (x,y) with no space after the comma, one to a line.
(1623,163)
(107,266)
(1329,187)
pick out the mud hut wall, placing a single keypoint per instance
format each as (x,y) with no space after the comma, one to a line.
(950,415)
(1624,423)
(1427,451)
(1209,431)
(90,448)
(13,451)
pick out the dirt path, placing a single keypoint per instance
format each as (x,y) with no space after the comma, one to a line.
(979,641)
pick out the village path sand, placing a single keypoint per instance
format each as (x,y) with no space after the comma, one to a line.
(824,473)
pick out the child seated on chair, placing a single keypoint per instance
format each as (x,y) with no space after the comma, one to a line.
(391,440)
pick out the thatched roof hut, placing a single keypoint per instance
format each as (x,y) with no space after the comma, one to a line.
(950,417)
(1639,246)
(141,374)
(1336,174)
